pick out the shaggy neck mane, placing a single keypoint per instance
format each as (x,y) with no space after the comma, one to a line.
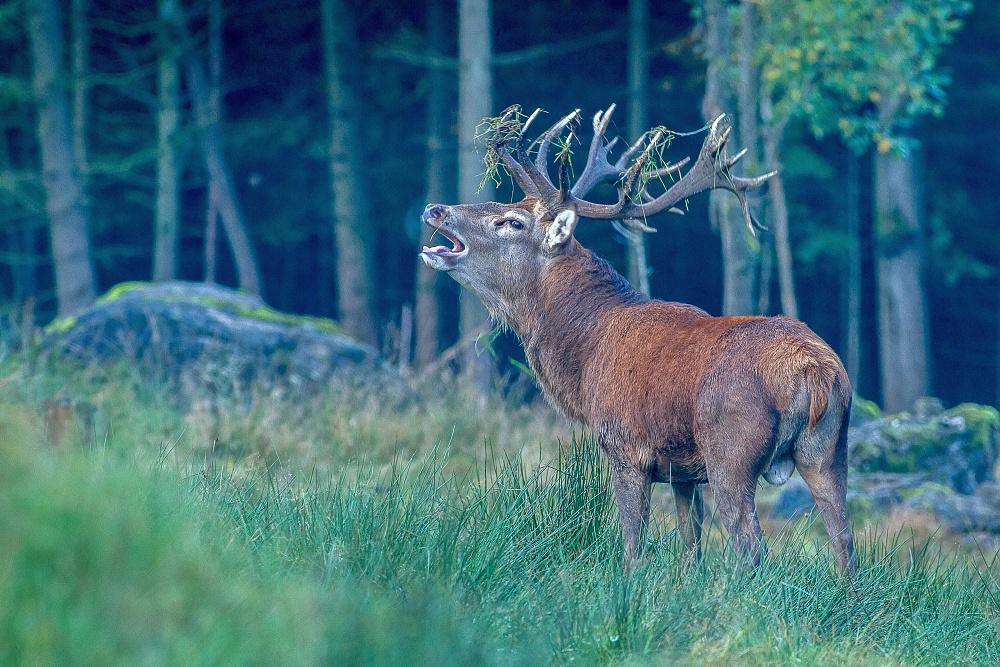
(560,322)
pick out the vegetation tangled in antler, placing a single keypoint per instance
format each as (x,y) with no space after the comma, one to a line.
(638,166)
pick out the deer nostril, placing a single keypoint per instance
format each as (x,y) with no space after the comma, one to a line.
(434,212)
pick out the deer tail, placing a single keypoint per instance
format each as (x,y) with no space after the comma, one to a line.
(819,383)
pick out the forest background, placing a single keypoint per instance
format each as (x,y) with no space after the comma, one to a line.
(286,147)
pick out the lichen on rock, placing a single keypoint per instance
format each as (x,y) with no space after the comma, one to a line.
(178,329)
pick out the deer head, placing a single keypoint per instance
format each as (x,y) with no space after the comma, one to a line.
(500,251)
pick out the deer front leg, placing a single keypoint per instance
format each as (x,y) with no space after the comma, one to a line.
(690,514)
(631,486)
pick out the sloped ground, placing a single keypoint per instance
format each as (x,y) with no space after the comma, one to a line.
(243,522)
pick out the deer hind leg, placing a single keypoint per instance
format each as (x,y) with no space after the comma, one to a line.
(735,504)
(738,441)
(690,514)
(632,488)
(824,469)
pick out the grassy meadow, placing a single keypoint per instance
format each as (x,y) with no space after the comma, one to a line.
(243,527)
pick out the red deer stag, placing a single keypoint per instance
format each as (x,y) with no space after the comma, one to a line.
(673,394)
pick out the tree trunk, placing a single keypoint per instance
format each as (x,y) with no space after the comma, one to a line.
(219,176)
(64,187)
(903,324)
(211,244)
(475,102)
(779,222)
(229,209)
(739,252)
(428,281)
(748,93)
(81,73)
(638,82)
(852,316)
(351,217)
(167,159)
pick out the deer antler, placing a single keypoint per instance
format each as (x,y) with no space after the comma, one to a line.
(711,170)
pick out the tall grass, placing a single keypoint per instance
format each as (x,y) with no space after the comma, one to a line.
(156,548)
(110,560)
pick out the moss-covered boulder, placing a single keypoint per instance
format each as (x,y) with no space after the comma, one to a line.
(957,447)
(179,329)
(979,512)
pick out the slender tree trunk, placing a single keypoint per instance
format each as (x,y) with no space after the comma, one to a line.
(211,246)
(167,159)
(748,93)
(475,102)
(779,222)
(852,318)
(81,73)
(638,82)
(219,175)
(428,281)
(352,220)
(739,253)
(220,178)
(903,323)
(765,280)
(65,202)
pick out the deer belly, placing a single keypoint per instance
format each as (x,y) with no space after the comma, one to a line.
(669,467)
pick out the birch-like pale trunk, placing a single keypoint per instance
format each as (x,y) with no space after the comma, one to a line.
(351,213)
(65,202)
(167,215)
(902,298)
(638,82)
(81,80)
(475,102)
(217,167)
(428,282)
(779,221)
(852,301)
(739,254)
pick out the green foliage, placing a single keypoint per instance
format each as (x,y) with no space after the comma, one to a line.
(863,69)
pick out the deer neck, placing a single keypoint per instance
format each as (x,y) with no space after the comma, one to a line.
(562,321)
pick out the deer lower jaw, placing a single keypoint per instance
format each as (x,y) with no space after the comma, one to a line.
(442,257)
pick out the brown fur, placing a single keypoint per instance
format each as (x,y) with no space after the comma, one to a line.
(673,394)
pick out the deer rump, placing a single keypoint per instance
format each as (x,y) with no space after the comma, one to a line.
(800,374)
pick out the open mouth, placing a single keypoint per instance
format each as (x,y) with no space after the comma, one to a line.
(457,250)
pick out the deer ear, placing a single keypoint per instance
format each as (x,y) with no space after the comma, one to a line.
(561,230)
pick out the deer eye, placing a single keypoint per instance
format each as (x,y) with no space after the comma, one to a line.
(516,224)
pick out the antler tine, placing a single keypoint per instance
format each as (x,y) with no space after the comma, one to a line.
(520,176)
(668,170)
(525,174)
(731,162)
(623,160)
(626,191)
(542,158)
(513,166)
(599,167)
(709,171)
(527,123)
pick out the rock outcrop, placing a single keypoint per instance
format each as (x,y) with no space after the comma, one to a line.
(180,330)
(942,462)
